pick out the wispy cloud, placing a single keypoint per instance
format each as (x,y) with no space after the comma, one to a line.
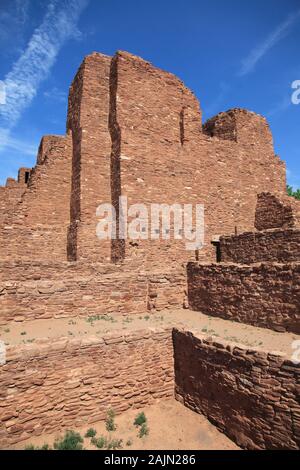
(23,147)
(56,95)
(34,65)
(13,16)
(280,32)
(280,107)
(214,106)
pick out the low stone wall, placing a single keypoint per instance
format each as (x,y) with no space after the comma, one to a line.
(66,291)
(276,211)
(265,295)
(61,384)
(253,247)
(251,396)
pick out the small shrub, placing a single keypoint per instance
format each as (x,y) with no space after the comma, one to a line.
(100,443)
(129,443)
(140,419)
(71,441)
(115,444)
(91,432)
(144,430)
(45,447)
(110,421)
(30,447)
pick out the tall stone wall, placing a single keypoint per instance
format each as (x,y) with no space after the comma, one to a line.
(135,129)
(37,227)
(67,383)
(88,117)
(265,295)
(252,396)
(253,247)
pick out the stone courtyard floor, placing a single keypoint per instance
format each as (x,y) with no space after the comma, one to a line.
(98,325)
(171,427)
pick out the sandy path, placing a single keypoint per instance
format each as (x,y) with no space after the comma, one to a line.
(171,427)
(258,338)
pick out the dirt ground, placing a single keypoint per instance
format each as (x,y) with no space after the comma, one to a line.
(171,427)
(258,338)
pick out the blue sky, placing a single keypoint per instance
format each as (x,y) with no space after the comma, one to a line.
(231,53)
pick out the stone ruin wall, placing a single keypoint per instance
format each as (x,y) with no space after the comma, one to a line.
(277,211)
(11,193)
(36,228)
(251,396)
(133,130)
(43,291)
(60,384)
(263,294)
(277,245)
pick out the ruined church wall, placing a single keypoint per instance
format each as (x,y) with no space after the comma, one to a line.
(37,227)
(67,383)
(251,396)
(135,130)
(264,295)
(164,157)
(9,197)
(253,247)
(88,116)
(276,211)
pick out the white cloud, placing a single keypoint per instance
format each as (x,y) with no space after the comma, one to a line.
(56,95)
(33,66)
(282,30)
(13,17)
(23,147)
(280,107)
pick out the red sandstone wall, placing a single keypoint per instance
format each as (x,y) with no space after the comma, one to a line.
(251,396)
(275,211)
(68,383)
(37,228)
(29,292)
(136,130)
(88,117)
(145,130)
(9,197)
(161,145)
(265,295)
(253,247)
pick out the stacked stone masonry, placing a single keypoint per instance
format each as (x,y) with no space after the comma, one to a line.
(133,129)
(275,245)
(66,383)
(252,396)
(265,295)
(274,211)
(54,290)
